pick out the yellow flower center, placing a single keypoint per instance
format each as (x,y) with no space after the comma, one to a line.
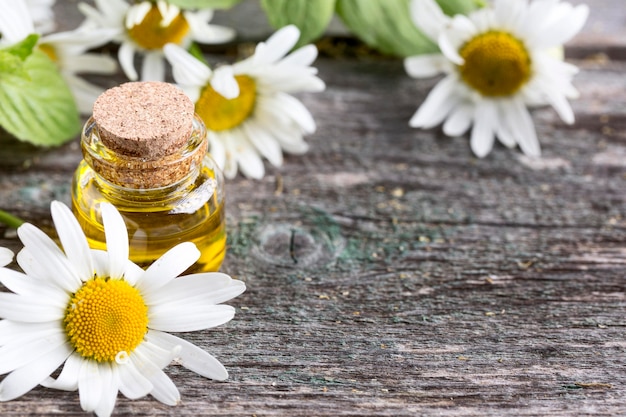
(496,64)
(49,51)
(219,113)
(151,34)
(104,318)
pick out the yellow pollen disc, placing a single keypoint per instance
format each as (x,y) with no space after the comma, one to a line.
(106,317)
(496,64)
(48,50)
(219,113)
(150,34)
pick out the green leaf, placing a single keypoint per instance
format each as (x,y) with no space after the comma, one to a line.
(387,25)
(310,16)
(204,4)
(40,110)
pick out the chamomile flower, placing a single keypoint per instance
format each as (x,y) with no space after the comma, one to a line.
(247,108)
(147,26)
(104,318)
(68,50)
(497,61)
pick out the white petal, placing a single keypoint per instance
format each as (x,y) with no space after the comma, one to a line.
(20,353)
(522,125)
(301,57)
(15,22)
(459,121)
(68,378)
(29,286)
(153,67)
(59,270)
(483,132)
(19,332)
(449,48)
(187,69)
(168,266)
(6,256)
(189,318)
(427,65)
(428,17)
(89,385)
(205,288)
(163,389)
(276,46)
(22,380)
(247,158)
(563,30)
(440,94)
(73,239)
(126,56)
(132,384)
(191,356)
(264,143)
(92,63)
(31,309)
(203,32)
(217,150)
(108,393)
(116,238)
(85,93)
(224,82)
(292,108)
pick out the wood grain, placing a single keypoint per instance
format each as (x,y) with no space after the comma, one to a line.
(392,273)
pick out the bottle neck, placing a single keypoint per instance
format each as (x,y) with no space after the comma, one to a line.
(150,176)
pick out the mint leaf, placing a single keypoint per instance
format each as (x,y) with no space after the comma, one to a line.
(204,4)
(385,25)
(41,109)
(310,16)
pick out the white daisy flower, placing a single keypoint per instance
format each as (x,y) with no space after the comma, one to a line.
(497,62)
(66,49)
(147,26)
(102,317)
(247,108)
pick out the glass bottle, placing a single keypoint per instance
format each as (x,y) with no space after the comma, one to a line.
(145,151)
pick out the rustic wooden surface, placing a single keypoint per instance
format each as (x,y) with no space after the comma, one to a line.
(391,273)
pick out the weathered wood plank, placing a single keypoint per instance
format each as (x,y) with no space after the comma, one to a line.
(391,273)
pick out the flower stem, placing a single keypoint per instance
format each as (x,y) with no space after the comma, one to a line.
(10,220)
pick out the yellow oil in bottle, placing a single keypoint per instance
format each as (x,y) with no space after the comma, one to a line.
(154,224)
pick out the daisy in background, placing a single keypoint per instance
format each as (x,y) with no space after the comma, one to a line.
(147,26)
(247,107)
(103,317)
(68,50)
(497,62)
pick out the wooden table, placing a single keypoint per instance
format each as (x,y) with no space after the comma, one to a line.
(392,273)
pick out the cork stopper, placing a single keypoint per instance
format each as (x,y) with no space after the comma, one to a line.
(147,120)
